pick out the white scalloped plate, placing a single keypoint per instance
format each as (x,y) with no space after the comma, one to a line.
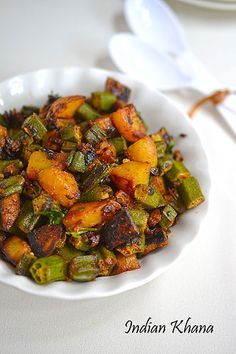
(227,5)
(157,110)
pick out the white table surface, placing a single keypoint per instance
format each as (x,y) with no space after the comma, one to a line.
(201,284)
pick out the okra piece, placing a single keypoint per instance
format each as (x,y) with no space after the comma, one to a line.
(76,162)
(84,239)
(72,133)
(177,172)
(120,144)
(168,217)
(95,176)
(83,268)
(29,149)
(27,220)
(24,264)
(135,246)
(4,164)
(44,203)
(106,260)
(175,201)
(164,164)
(69,146)
(161,148)
(68,252)
(140,218)
(87,112)
(103,100)
(98,193)
(48,269)
(190,192)
(149,196)
(32,189)
(11,185)
(167,138)
(34,127)
(160,143)
(121,91)
(94,135)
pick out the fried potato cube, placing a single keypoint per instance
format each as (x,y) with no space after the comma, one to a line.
(89,214)
(143,150)
(128,175)
(14,248)
(65,107)
(124,264)
(128,123)
(46,239)
(60,185)
(39,161)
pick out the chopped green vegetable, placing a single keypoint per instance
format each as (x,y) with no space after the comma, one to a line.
(48,269)
(27,220)
(168,217)
(34,127)
(140,218)
(77,162)
(150,197)
(94,135)
(177,172)
(68,252)
(72,133)
(11,185)
(87,112)
(6,163)
(83,268)
(95,176)
(69,146)
(164,164)
(103,101)
(24,264)
(106,260)
(98,193)
(120,144)
(190,192)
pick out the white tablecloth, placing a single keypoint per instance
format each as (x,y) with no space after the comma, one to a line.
(201,284)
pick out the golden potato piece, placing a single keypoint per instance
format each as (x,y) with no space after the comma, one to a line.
(143,150)
(124,264)
(39,161)
(14,248)
(89,214)
(128,123)
(3,132)
(60,185)
(128,175)
(65,107)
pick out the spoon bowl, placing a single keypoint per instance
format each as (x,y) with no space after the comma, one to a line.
(155,23)
(146,64)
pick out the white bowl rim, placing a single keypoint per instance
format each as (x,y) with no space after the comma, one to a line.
(42,290)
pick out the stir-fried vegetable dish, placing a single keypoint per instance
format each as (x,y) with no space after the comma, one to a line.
(85,191)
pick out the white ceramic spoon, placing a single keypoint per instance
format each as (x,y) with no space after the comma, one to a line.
(156,24)
(145,63)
